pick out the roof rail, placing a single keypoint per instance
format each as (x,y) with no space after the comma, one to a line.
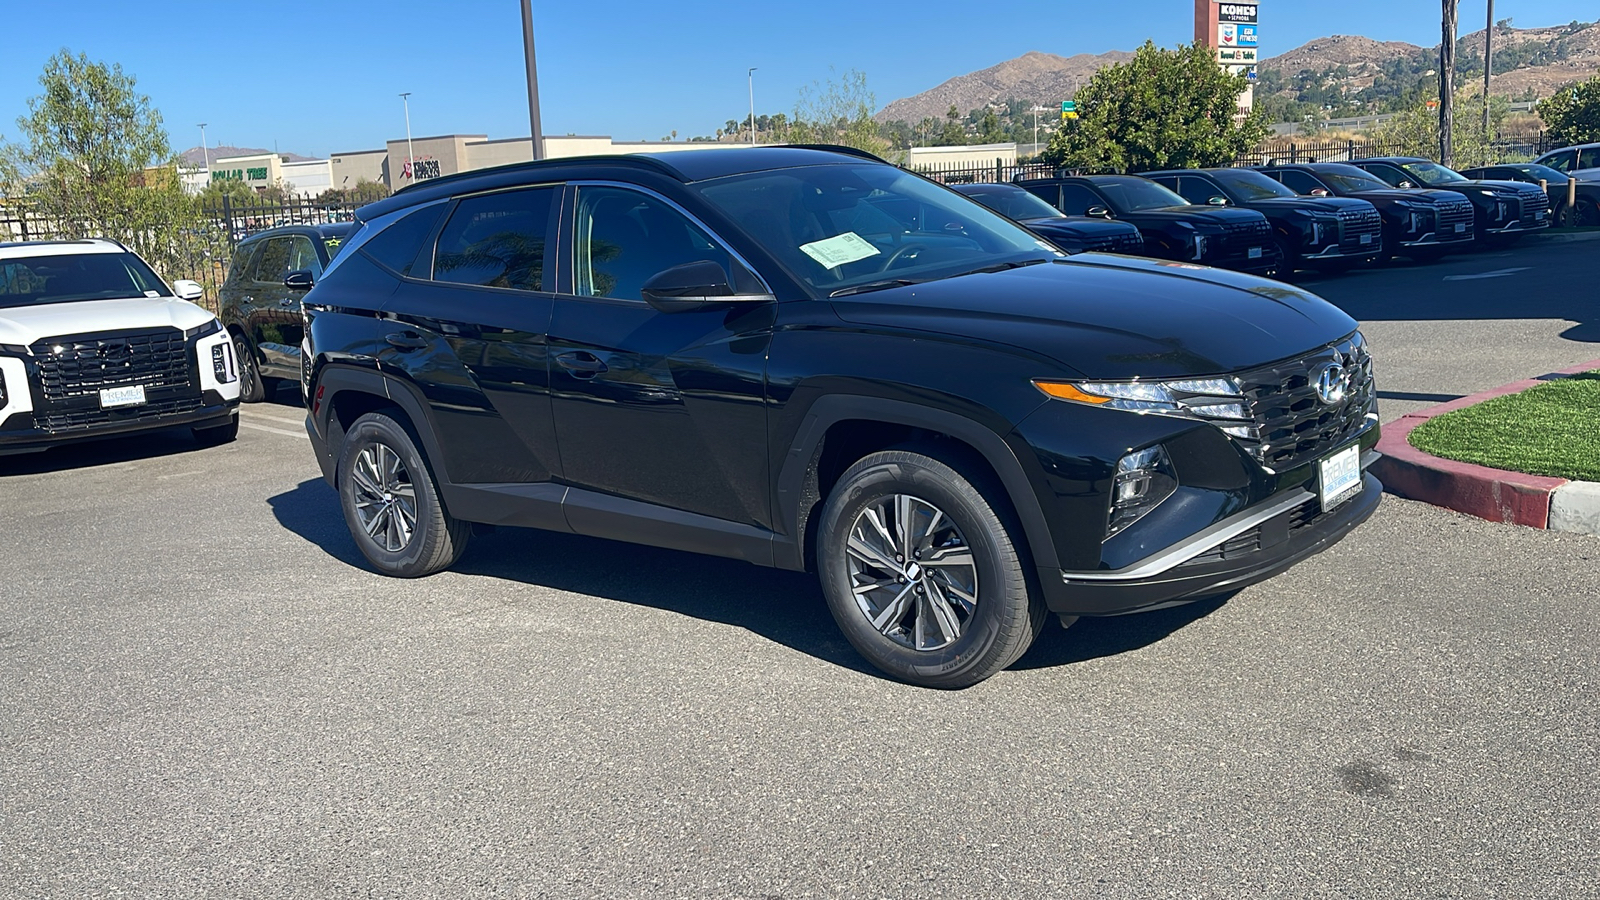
(832,148)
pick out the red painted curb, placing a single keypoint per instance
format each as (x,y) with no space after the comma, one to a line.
(1492,494)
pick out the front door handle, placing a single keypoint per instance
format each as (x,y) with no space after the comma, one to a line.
(581,364)
(406,340)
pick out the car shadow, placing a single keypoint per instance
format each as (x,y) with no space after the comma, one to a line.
(102,452)
(786,608)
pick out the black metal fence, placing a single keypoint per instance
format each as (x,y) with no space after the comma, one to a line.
(195,243)
(1501,150)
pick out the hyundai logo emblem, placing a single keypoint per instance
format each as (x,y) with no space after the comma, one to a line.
(1331,384)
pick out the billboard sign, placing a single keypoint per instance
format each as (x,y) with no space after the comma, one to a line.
(1237,12)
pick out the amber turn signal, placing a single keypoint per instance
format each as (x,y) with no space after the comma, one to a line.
(1063,391)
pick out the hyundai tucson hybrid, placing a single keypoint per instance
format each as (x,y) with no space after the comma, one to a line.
(1504,210)
(1329,234)
(260,301)
(93,344)
(960,429)
(1074,234)
(1173,228)
(1423,224)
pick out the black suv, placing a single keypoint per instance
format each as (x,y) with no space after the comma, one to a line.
(1503,210)
(1173,228)
(1587,207)
(1421,224)
(737,352)
(1329,234)
(1074,234)
(260,301)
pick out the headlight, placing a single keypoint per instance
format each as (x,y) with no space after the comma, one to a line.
(1199,246)
(222,362)
(2,390)
(1144,479)
(1218,400)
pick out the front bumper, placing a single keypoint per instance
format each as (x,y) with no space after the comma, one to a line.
(1521,227)
(20,432)
(1249,547)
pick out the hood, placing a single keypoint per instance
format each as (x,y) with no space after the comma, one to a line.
(1217,216)
(1114,317)
(1415,195)
(1079,226)
(1331,205)
(21,326)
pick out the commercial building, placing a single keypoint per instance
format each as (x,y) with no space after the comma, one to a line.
(260,171)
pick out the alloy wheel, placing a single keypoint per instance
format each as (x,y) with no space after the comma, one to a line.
(385,498)
(912,572)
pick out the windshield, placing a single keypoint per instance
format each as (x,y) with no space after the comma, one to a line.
(1133,194)
(1014,202)
(68,278)
(1250,185)
(1350,178)
(849,226)
(1433,173)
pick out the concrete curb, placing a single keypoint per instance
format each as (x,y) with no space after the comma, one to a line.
(1564,238)
(1534,501)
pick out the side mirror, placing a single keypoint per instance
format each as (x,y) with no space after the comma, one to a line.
(1321,192)
(1405,185)
(1218,201)
(299,280)
(1098,212)
(692,286)
(184,289)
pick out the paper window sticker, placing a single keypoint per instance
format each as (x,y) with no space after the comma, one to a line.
(839,250)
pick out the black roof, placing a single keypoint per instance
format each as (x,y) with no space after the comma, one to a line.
(1392,159)
(687,166)
(986,187)
(320,230)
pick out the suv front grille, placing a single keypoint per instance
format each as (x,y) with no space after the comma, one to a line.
(1115,243)
(1532,202)
(1242,236)
(1289,423)
(1356,222)
(72,419)
(83,365)
(1452,212)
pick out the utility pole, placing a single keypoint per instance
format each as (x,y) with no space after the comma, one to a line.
(1447,84)
(411,155)
(205,155)
(1488,68)
(751,75)
(535,126)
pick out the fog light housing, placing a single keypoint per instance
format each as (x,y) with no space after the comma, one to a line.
(3,398)
(1144,480)
(1199,247)
(222,363)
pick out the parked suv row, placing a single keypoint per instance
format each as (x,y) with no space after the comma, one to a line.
(809,359)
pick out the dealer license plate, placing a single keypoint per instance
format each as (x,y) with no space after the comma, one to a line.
(1539,214)
(1339,477)
(122,396)
(1255,252)
(1461,227)
(1366,239)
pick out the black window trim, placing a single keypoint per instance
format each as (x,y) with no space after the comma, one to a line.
(255,266)
(552,246)
(566,287)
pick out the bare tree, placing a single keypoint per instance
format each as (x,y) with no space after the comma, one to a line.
(1447,84)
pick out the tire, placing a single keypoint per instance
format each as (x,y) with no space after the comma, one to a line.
(251,388)
(1288,261)
(1588,213)
(949,625)
(217,435)
(380,468)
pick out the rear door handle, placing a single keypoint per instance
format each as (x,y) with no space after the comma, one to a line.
(405,340)
(581,364)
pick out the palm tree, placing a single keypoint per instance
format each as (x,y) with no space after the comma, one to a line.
(1447,84)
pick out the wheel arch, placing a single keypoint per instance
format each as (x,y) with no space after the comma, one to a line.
(840,429)
(343,394)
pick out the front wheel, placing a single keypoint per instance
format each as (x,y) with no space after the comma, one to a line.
(921,573)
(391,503)
(251,388)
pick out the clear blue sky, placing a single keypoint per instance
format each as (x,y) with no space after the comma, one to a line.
(317,78)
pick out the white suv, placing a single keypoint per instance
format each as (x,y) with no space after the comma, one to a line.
(93,343)
(1581,162)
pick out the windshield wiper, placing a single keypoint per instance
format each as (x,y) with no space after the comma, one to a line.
(873,286)
(1003,267)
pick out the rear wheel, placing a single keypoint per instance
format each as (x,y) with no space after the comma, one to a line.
(251,387)
(391,503)
(921,573)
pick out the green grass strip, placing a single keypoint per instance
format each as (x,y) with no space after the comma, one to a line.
(1552,429)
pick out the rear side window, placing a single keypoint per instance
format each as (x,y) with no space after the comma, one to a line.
(272,263)
(1195,190)
(1299,182)
(1077,200)
(497,240)
(396,248)
(1561,162)
(243,259)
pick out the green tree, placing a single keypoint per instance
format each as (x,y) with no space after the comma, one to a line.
(989,128)
(1416,131)
(955,132)
(93,157)
(1572,114)
(1161,109)
(838,111)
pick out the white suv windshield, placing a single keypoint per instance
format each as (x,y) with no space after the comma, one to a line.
(841,227)
(68,278)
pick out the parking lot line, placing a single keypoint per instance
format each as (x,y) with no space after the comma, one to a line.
(283,431)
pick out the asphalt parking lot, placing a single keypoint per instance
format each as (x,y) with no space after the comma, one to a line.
(203,694)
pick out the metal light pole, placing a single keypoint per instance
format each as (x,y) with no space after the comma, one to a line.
(1488,68)
(1447,84)
(411,155)
(751,75)
(536,128)
(205,155)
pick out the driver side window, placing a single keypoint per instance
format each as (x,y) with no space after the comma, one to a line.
(1299,182)
(1196,190)
(1389,174)
(623,238)
(1077,200)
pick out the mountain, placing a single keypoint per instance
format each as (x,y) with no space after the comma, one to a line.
(192,155)
(1041,77)
(1331,72)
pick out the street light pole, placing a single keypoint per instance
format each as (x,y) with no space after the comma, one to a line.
(537,128)
(1488,68)
(205,155)
(411,156)
(751,75)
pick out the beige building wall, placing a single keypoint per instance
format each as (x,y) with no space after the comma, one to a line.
(258,171)
(967,155)
(308,177)
(349,169)
(488,154)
